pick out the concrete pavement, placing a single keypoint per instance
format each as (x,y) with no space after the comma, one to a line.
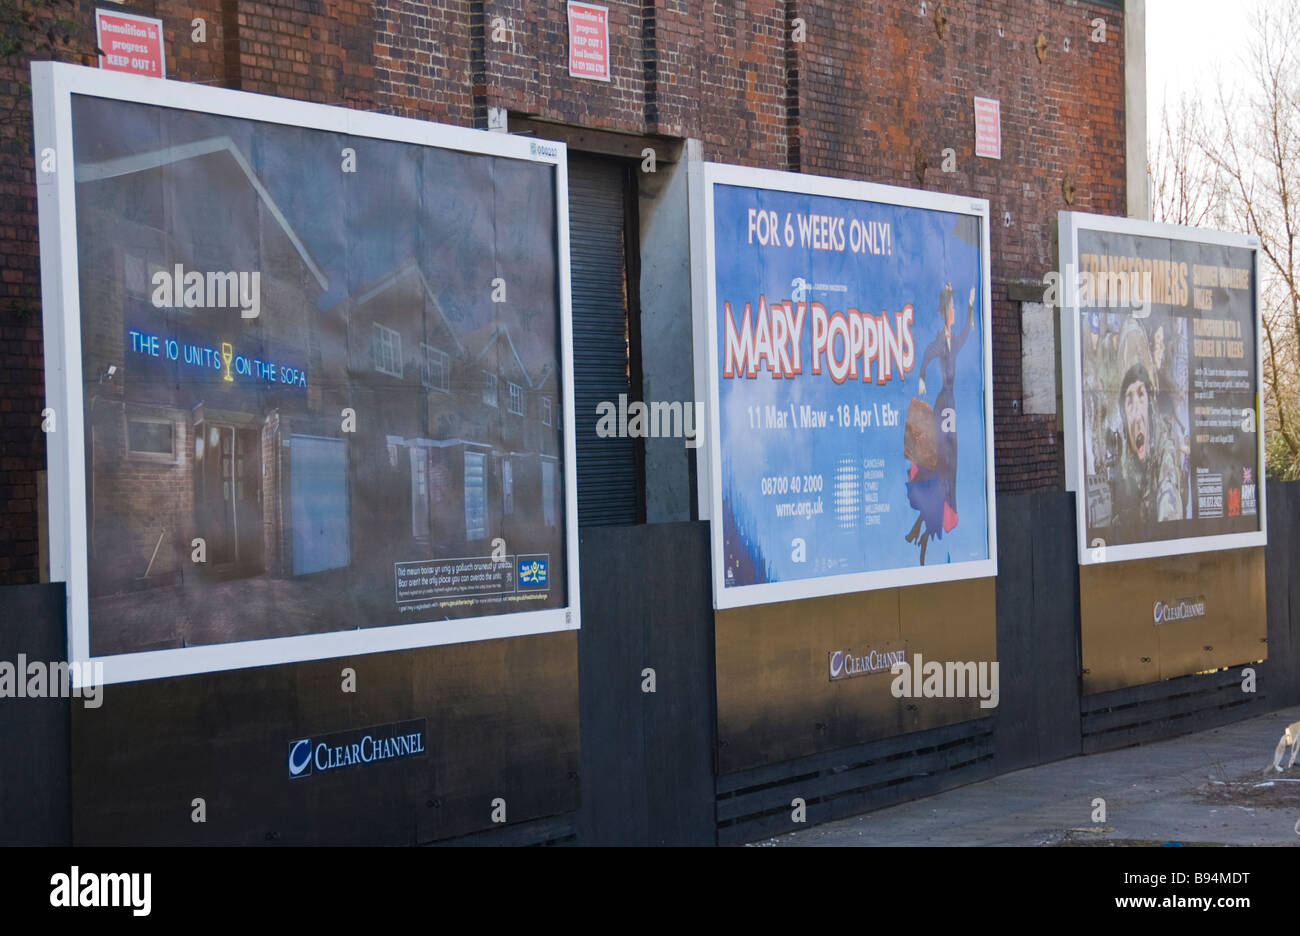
(1213,787)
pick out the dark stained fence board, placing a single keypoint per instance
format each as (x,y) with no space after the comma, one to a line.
(611,655)
(923,762)
(1018,732)
(501,721)
(777,823)
(1052,669)
(554,830)
(647,761)
(1275,673)
(1162,729)
(35,741)
(892,770)
(1170,706)
(1288,623)
(862,753)
(1180,685)
(1155,711)
(681,714)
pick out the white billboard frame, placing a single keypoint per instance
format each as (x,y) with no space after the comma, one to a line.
(53,85)
(1070,224)
(705,177)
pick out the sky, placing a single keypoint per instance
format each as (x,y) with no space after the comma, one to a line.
(1190,42)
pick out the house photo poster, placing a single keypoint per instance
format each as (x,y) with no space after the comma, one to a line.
(315,373)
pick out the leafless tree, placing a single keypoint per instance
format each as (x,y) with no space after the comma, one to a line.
(1184,182)
(1234,162)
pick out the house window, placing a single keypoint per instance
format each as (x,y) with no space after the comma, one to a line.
(435,373)
(548,493)
(546,411)
(137,283)
(386,349)
(475,495)
(419,492)
(153,439)
(508,487)
(489,388)
(516,399)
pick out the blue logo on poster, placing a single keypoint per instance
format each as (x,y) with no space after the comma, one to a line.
(533,573)
(300,758)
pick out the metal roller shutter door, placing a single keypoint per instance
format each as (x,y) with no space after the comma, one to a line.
(608,476)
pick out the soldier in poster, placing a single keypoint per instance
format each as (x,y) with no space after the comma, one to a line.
(1149,486)
(1135,402)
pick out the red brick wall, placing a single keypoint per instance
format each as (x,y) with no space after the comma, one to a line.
(136,501)
(876,89)
(870,87)
(22,371)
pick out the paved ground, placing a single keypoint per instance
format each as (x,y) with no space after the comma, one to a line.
(1200,788)
(211,612)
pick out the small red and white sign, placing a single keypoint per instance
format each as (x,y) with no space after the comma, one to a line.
(589,41)
(130,43)
(988,128)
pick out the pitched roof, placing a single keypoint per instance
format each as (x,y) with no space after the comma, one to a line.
(408,269)
(156,159)
(495,333)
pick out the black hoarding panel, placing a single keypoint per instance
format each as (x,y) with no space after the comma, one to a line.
(434,743)
(647,762)
(1053,666)
(1017,735)
(34,790)
(1280,670)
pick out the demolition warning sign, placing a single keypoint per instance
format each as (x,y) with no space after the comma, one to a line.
(589,41)
(130,43)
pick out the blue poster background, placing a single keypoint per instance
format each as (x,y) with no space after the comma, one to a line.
(860,518)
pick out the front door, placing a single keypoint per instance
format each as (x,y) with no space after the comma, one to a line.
(420,494)
(229,493)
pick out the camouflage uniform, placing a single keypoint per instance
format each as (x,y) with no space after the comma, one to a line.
(1101,377)
(1150,491)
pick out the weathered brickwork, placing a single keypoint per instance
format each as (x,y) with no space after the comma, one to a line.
(874,91)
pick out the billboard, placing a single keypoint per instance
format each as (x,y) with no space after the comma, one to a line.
(1161,356)
(308,377)
(844,338)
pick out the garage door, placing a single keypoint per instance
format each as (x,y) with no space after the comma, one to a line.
(318,496)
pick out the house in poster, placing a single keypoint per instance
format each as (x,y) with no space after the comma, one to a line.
(193,407)
(451,422)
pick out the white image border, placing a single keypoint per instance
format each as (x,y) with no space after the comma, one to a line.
(1070,224)
(53,85)
(706,176)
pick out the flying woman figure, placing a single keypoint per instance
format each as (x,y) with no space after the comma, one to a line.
(932,491)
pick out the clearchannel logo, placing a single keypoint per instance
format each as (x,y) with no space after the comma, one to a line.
(845,663)
(1165,611)
(352,748)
